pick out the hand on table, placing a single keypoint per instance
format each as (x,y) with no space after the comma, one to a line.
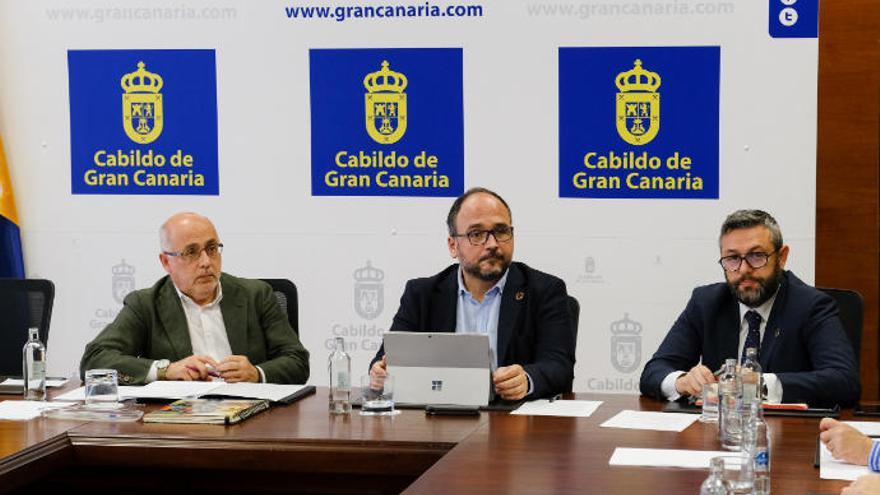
(845,442)
(868,484)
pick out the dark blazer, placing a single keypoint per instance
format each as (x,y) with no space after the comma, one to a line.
(152,325)
(804,343)
(535,328)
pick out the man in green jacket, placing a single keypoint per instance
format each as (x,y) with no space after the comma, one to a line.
(198,322)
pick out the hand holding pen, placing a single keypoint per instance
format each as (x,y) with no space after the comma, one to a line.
(190,368)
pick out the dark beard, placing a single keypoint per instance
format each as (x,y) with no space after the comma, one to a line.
(493,276)
(764,292)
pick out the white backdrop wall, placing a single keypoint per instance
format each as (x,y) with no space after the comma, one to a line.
(624,259)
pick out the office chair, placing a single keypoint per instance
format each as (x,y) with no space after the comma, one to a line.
(24,303)
(849,304)
(574,308)
(285,292)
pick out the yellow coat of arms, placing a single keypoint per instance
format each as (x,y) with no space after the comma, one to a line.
(142,113)
(638,105)
(385,105)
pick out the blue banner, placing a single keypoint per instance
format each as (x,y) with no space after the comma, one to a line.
(387,122)
(143,121)
(638,122)
(11,259)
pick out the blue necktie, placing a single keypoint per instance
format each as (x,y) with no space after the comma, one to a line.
(753,338)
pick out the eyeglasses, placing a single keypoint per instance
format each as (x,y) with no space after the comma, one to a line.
(193,253)
(502,233)
(755,260)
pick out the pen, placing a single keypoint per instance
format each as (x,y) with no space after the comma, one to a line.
(211,370)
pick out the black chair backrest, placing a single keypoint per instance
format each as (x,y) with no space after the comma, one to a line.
(24,303)
(850,306)
(285,292)
(574,307)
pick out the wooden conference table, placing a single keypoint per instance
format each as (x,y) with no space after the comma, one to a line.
(300,448)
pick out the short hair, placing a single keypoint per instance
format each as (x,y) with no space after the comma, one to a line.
(456,206)
(743,219)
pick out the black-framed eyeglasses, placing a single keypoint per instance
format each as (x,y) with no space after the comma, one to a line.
(192,253)
(755,260)
(501,233)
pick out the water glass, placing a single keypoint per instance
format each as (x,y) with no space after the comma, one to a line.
(102,389)
(377,395)
(738,474)
(710,403)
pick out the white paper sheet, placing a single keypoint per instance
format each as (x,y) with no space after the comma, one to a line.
(125,392)
(50,382)
(832,469)
(572,408)
(648,420)
(693,459)
(271,391)
(23,410)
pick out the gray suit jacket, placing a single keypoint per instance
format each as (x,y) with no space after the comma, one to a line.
(152,325)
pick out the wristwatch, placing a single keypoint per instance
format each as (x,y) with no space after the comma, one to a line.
(161,367)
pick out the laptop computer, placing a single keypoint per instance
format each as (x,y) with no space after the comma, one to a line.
(439,368)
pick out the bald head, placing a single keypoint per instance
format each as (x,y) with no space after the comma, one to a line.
(179,223)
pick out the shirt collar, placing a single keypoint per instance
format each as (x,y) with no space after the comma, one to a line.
(763,310)
(498,287)
(188,300)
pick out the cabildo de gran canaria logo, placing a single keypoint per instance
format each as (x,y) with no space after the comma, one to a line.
(638,105)
(142,105)
(164,140)
(610,140)
(404,136)
(385,104)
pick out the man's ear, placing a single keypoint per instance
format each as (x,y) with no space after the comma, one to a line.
(783,256)
(453,247)
(166,263)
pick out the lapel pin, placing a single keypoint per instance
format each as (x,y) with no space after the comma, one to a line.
(776,332)
(520,295)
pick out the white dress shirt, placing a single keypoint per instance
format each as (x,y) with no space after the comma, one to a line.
(207,331)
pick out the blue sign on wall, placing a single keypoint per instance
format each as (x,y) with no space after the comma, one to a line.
(143,121)
(794,18)
(639,122)
(387,122)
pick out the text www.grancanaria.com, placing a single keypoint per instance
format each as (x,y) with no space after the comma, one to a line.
(344,12)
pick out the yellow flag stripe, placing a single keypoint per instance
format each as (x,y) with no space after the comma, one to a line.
(7,198)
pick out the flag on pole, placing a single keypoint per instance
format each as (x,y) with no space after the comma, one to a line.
(11,261)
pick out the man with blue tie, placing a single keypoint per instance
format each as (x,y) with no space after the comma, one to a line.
(802,347)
